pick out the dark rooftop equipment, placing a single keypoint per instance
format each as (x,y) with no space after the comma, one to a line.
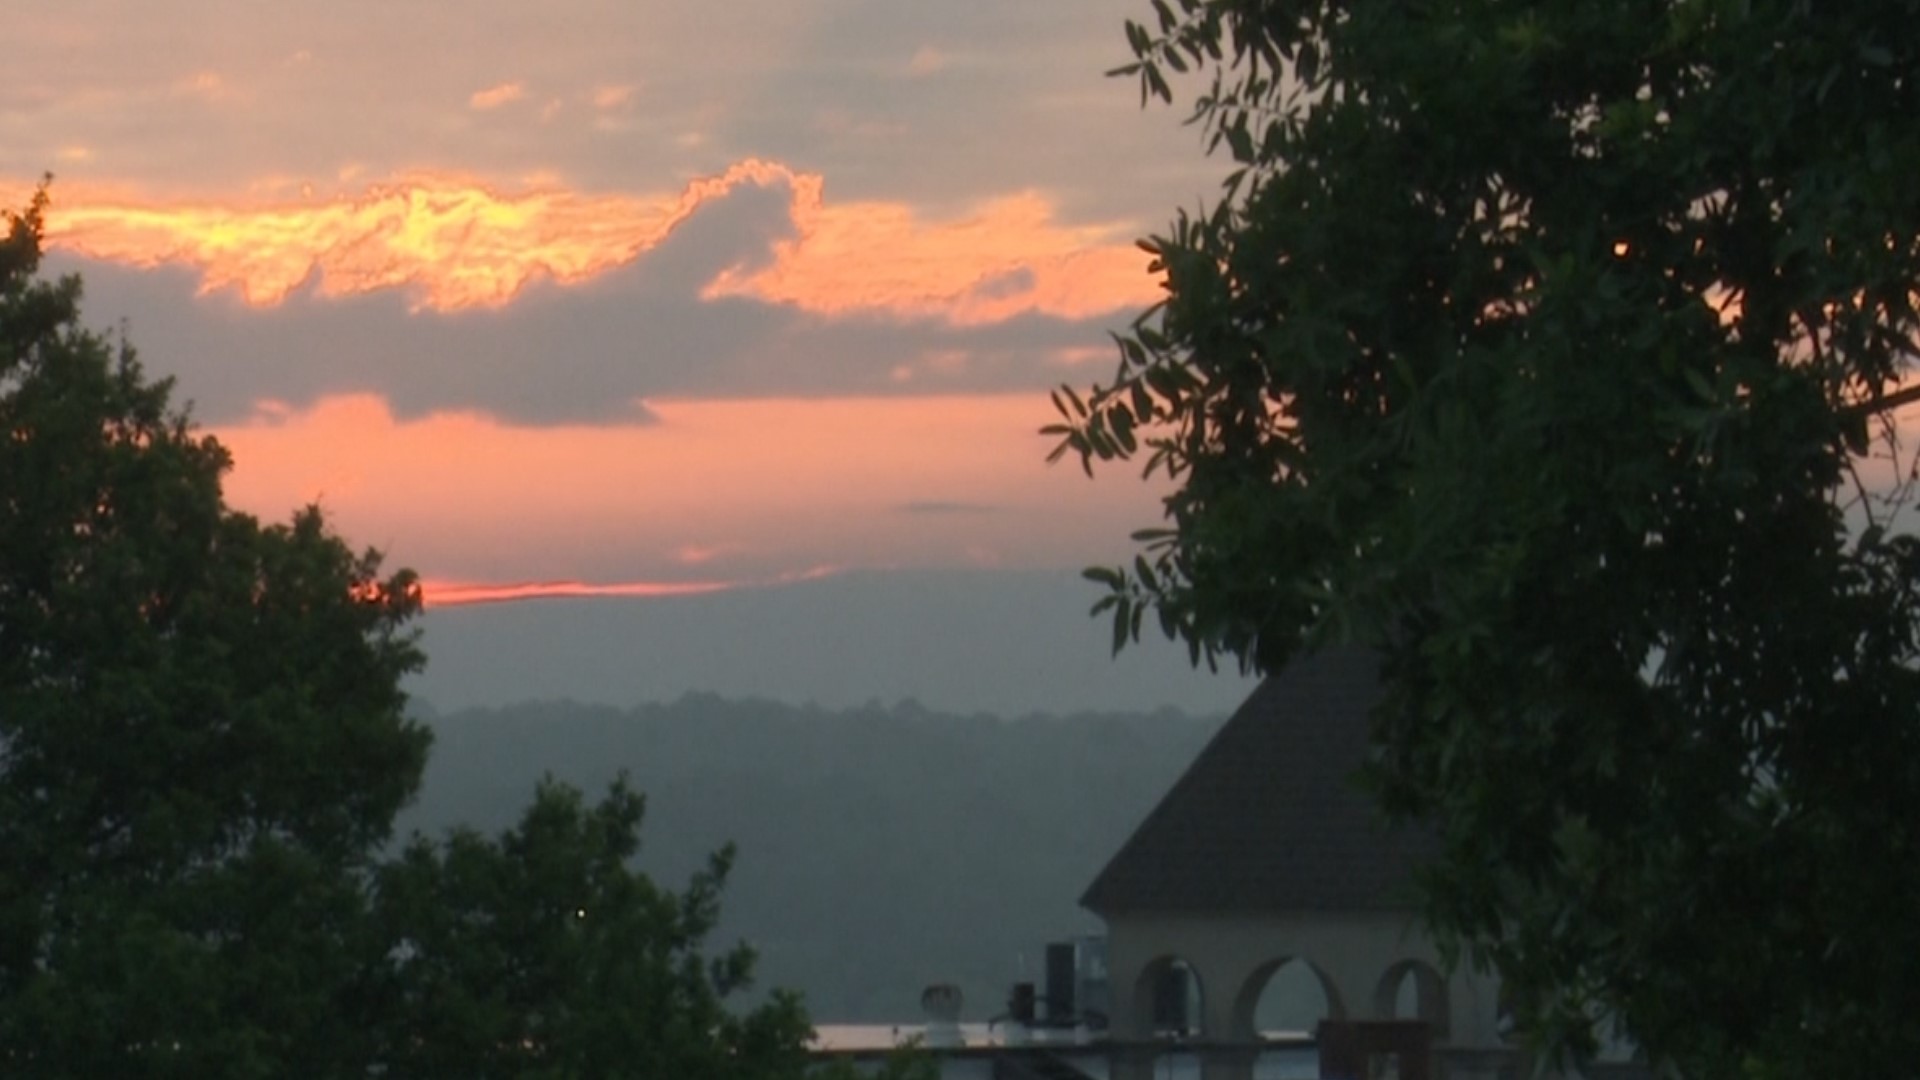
(1092,997)
(1020,1003)
(1061,976)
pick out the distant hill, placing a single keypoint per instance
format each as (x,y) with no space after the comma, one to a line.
(1008,642)
(880,848)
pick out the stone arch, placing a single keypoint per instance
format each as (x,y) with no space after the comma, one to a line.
(1167,984)
(1430,1000)
(1246,1003)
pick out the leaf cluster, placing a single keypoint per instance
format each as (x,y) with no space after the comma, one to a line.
(1550,349)
(542,953)
(201,737)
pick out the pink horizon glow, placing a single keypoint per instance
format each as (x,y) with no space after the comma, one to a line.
(713,492)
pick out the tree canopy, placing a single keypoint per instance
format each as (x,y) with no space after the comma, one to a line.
(202,730)
(203,745)
(1552,349)
(514,957)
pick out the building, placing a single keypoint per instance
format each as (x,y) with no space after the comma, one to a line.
(1265,858)
(1263,854)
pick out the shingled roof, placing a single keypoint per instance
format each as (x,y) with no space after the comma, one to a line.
(1268,819)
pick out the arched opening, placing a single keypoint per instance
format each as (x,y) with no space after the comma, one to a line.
(1169,997)
(1285,998)
(1414,990)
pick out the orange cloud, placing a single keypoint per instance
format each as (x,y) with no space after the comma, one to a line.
(495,96)
(613,96)
(206,85)
(696,554)
(456,243)
(1005,258)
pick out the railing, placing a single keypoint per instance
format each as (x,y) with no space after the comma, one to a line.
(1034,1064)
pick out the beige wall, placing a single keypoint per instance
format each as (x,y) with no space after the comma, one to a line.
(1359,959)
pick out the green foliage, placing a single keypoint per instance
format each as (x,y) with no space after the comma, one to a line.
(909,1062)
(1551,348)
(543,954)
(201,726)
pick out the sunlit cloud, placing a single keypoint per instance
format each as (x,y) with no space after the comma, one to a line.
(930,506)
(1076,355)
(495,96)
(1007,257)
(205,85)
(699,554)
(455,243)
(613,96)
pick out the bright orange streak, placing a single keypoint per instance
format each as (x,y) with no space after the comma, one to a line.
(456,594)
(459,594)
(455,243)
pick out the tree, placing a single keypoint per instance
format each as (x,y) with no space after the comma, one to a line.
(1552,350)
(202,749)
(201,736)
(544,954)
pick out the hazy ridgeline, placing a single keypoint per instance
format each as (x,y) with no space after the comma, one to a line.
(880,848)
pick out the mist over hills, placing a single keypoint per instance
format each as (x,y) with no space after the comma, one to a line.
(1007,642)
(881,848)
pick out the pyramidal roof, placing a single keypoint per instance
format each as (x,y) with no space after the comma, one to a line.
(1268,818)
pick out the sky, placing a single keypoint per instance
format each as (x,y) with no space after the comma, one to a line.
(644,321)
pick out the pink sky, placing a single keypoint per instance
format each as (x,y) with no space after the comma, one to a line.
(621,296)
(752,489)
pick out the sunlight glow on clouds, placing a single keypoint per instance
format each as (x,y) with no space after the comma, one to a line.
(613,96)
(454,243)
(1005,258)
(495,96)
(205,85)
(569,299)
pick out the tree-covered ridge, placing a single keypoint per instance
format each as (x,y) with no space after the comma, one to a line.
(1550,348)
(880,849)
